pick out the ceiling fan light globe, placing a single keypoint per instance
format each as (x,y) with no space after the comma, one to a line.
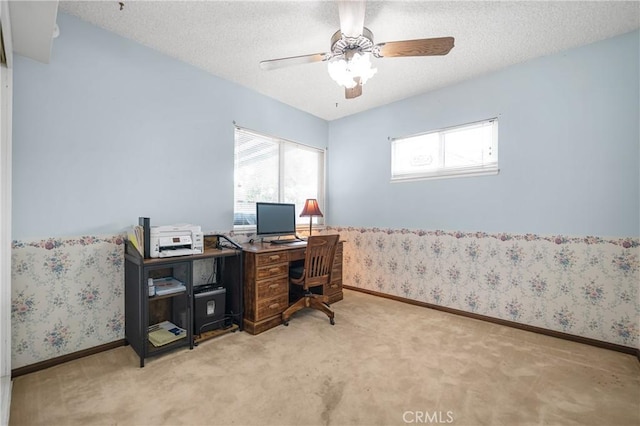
(350,85)
(336,67)
(339,71)
(360,66)
(365,77)
(347,73)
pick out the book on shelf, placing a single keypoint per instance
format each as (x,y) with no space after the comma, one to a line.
(168,285)
(164,333)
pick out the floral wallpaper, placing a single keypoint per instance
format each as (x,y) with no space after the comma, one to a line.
(67,295)
(585,286)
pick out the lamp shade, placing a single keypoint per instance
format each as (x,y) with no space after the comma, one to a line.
(311,208)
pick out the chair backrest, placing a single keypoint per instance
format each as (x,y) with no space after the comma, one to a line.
(318,260)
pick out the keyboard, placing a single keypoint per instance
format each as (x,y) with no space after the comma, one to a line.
(286,241)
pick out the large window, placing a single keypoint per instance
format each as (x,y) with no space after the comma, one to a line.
(467,150)
(274,170)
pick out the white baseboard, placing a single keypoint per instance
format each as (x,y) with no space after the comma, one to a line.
(5,403)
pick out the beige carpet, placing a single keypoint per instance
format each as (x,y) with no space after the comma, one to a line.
(383,363)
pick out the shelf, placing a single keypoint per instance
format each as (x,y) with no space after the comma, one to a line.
(152,350)
(197,338)
(143,311)
(166,296)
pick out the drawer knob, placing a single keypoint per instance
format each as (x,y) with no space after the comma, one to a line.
(274,270)
(274,257)
(274,306)
(274,286)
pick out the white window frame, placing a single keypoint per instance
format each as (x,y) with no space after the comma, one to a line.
(488,167)
(301,222)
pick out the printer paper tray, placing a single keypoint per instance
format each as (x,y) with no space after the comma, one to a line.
(177,252)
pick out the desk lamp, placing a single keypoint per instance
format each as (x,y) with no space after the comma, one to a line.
(311,209)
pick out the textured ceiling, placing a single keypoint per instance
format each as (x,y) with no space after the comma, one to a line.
(229,39)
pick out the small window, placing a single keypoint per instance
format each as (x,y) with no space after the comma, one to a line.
(468,150)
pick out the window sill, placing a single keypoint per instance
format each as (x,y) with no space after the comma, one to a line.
(447,175)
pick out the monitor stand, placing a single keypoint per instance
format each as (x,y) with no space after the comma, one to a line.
(287,241)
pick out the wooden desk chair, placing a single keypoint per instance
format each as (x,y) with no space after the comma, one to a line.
(318,263)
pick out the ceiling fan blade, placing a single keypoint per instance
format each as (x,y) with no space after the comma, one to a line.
(273,64)
(351,17)
(355,91)
(420,47)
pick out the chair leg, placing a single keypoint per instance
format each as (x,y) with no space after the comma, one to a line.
(301,303)
(308,301)
(319,304)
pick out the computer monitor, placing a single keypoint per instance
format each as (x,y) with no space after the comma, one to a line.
(274,219)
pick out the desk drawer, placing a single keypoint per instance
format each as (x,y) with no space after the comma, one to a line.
(271,307)
(333,287)
(272,288)
(265,259)
(297,254)
(272,271)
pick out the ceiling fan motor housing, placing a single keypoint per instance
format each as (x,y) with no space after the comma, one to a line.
(348,46)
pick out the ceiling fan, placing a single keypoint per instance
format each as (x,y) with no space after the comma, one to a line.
(352,46)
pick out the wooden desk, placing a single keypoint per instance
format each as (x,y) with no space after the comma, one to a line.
(266,282)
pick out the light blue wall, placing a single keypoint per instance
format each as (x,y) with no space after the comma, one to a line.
(111,130)
(569,151)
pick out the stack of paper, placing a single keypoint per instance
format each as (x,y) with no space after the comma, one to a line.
(165,333)
(168,285)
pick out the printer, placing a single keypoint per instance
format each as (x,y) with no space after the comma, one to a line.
(175,240)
